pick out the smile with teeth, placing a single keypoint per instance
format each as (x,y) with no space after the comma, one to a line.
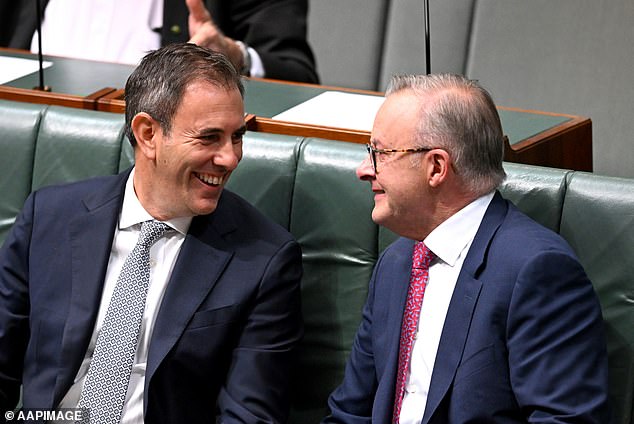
(209,179)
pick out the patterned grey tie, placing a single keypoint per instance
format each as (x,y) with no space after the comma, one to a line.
(105,388)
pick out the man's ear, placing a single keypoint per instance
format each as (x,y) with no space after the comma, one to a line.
(146,131)
(439,163)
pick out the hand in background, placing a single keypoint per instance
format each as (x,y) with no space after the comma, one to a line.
(204,32)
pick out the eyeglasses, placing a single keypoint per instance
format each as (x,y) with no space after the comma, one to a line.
(372,151)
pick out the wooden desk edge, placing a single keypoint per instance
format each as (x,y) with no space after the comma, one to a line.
(112,102)
(49,98)
(568,146)
(269,125)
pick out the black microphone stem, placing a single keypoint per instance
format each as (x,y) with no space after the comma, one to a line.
(427,44)
(38,13)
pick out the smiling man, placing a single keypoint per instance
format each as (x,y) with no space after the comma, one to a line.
(477,314)
(155,296)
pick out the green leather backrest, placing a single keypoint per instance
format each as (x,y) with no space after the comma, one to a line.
(266,174)
(18,133)
(331,220)
(75,144)
(537,191)
(598,222)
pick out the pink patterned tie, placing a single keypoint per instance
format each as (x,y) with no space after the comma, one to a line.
(417,282)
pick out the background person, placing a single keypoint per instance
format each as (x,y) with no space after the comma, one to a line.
(263,38)
(510,329)
(221,316)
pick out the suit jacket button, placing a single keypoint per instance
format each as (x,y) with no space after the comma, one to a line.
(175,29)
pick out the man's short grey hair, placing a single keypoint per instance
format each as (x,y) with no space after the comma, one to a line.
(459,116)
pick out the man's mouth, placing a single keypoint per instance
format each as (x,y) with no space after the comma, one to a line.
(377,190)
(210,180)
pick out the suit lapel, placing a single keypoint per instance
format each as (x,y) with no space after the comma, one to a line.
(90,235)
(202,259)
(397,269)
(462,307)
(398,296)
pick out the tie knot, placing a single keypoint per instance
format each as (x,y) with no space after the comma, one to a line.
(422,256)
(151,231)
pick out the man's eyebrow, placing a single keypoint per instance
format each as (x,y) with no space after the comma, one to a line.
(213,131)
(209,131)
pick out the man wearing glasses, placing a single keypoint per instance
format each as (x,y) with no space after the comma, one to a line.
(477,313)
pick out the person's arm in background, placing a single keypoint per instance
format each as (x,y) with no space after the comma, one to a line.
(272,31)
(204,32)
(18,23)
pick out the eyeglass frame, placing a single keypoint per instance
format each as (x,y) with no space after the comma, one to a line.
(372,151)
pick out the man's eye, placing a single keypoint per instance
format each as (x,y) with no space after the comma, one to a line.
(237,138)
(209,139)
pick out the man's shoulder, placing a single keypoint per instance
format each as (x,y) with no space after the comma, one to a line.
(65,192)
(520,238)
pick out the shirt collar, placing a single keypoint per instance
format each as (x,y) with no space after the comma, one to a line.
(455,234)
(133,213)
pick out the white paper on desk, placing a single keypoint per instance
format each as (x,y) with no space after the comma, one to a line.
(16,67)
(335,109)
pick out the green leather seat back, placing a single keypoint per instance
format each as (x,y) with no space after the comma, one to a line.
(537,191)
(75,144)
(331,220)
(19,123)
(266,174)
(127,155)
(598,221)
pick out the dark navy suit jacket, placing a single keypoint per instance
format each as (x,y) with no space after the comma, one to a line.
(225,332)
(522,342)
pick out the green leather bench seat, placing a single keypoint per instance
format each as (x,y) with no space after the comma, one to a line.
(268,175)
(598,222)
(96,145)
(19,127)
(309,186)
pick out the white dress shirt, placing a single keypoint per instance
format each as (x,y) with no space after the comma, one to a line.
(108,30)
(163,256)
(450,242)
(121,31)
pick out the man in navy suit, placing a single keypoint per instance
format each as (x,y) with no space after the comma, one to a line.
(510,329)
(222,313)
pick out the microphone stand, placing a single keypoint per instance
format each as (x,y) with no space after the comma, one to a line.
(427,44)
(38,14)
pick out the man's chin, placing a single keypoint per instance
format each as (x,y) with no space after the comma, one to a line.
(379,217)
(205,208)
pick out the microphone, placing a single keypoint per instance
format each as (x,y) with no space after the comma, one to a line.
(38,14)
(427,45)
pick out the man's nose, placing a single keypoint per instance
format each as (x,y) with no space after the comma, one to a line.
(365,171)
(228,156)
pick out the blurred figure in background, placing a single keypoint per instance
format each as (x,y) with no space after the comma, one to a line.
(262,38)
